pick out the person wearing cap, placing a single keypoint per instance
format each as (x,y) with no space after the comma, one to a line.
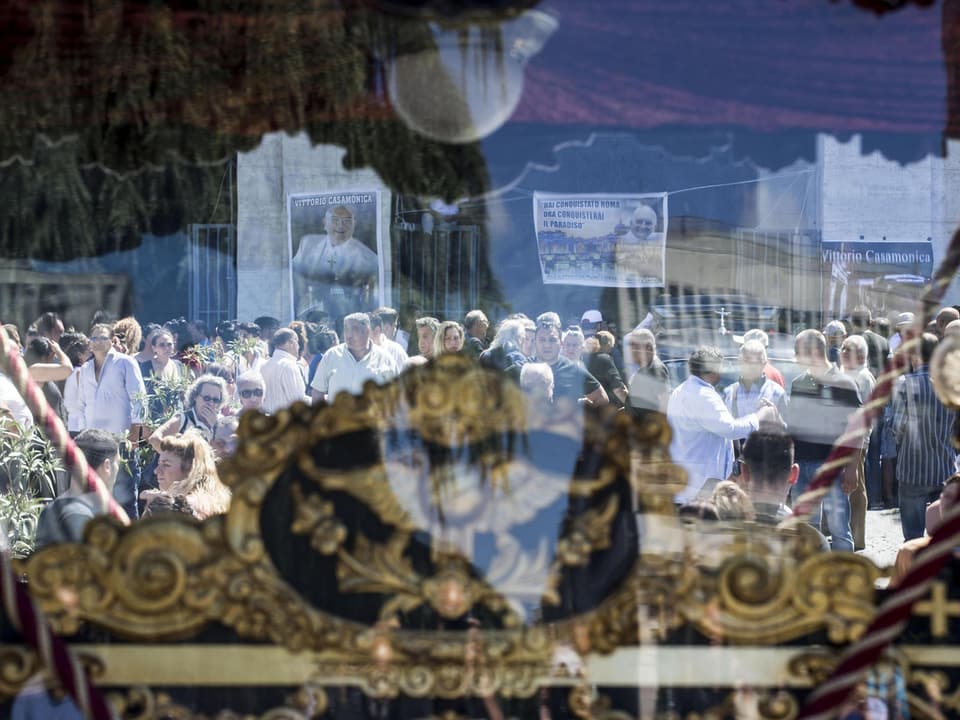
(590,322)
(835,332)
(905,330)
(64,519)
(769,371)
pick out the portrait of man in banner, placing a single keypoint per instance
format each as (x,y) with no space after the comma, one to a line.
(334,271)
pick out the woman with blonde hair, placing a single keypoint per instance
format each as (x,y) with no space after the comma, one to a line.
(187,478)
(448,338)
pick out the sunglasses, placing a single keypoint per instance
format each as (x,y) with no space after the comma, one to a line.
(211,398)
(164,344)
(251,393)
(100,338)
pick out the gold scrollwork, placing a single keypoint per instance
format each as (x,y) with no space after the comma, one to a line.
(166,577)
(143,703)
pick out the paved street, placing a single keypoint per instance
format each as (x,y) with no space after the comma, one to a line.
(883,536)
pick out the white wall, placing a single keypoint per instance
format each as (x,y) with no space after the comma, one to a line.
(279,167)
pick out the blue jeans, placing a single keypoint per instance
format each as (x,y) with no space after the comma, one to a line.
(127,489)
(874,478)
(834,508)
(913,508)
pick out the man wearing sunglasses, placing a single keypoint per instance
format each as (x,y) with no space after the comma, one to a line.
(110,392)
(250,390)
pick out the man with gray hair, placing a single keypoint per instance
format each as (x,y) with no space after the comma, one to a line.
(649,385)
(475,326)
(283,380)
(743,397)
(346,367)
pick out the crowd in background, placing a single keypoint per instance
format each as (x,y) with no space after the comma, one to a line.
(156,406)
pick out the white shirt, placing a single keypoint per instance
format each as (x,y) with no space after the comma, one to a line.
(71,402)
(339,371)
(10,396)
(283,382)
(394,350)
(115,402)
(702,430)
(319,259)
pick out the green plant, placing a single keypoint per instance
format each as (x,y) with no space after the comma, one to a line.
(28,478)
(19,514)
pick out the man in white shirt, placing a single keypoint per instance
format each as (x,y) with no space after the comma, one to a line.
(703,427)
(111,398)
(346,367)
(378,335)
(282,378)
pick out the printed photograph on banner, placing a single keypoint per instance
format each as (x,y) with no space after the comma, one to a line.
(335,247)
(601,240)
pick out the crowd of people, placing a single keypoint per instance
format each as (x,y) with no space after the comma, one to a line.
(155,407)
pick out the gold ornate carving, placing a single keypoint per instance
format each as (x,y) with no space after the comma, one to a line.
(166,577)
(142,703)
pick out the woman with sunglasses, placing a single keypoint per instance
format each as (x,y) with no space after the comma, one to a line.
(205,398)
(160,368)
(250,390)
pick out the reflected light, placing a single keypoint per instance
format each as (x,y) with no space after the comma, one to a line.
(470,83)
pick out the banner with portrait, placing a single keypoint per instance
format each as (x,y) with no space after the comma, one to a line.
(601,240)
(336,253)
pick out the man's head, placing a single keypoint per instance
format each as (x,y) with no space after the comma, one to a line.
(642,346)
(946,316)
(853,353)
(102,452)
(388,321)
(767,465)
(643,222)
(476,324)
(591,321)
(753,356)
(536,379)
(286,339)
(924,351)
(571,345)
(705,363)
(547,338)
(835,332)
(100,337)
(427,328)
(861,318)
(950,495)
(50,326)
(250,389)
(356,333)
(267,326)
(605,341)
(810,347)
(339,224)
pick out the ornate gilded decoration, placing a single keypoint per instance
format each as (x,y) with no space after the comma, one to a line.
(385,497)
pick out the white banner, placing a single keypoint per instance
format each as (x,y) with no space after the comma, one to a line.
(601,240)
(337,262)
